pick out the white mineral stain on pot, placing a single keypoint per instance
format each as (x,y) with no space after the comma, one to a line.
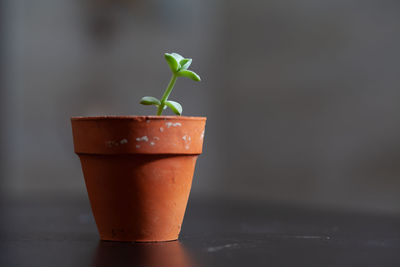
(161,129)
(152,143)
(143,138)
(176,124)
(147,121)
(123,141)
(186,138)
(156,138)
(137,146)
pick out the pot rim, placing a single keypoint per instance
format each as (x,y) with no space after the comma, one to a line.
(136,118)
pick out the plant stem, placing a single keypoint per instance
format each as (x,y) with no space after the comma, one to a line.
(166,94)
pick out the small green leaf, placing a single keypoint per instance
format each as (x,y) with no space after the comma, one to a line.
(177,57)
(189,74)
(149,100)
(172,62)
(185,63)
(174,106)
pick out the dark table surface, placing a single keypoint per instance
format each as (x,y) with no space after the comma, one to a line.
(55,232)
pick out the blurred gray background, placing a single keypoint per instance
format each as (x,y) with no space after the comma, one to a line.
(302,97)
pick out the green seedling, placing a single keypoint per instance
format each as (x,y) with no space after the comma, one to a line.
(179,67)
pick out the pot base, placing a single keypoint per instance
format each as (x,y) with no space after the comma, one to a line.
(138,197)
(136,241)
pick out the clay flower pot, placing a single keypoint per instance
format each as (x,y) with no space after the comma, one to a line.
(138,172)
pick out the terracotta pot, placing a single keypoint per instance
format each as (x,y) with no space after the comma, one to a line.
(138,172)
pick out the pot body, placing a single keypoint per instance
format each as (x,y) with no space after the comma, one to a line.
(138,172)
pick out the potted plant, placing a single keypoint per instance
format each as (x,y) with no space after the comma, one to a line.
(138,170)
